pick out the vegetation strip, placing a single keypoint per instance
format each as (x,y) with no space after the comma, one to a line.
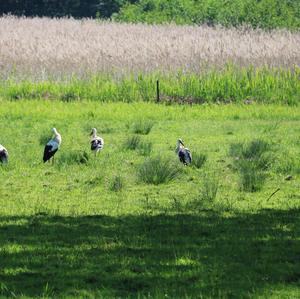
(232,85)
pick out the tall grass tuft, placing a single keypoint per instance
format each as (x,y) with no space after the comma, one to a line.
(142,127)
(74,157)
(207,193)
(209,188)
(158,170)
(198,159)
(252,178)
(287,162)
(251,160)
(117,184)
(132,142)
(145,148)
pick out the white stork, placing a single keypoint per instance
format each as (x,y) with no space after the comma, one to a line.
(3,154)
(97,142)
(52,146)
(183,153)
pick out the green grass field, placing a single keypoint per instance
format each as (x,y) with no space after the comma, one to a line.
(229,85)
(92,228)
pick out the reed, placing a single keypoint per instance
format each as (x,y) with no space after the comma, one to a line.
(43,48)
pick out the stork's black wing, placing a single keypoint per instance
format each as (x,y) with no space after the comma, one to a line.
(181,156)
(48,153)
(96,143)
(3,156)
(185,156)
(188,156)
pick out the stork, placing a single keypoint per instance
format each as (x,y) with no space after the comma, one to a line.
(97,142)
(183,153)
(52,146)
(3,154)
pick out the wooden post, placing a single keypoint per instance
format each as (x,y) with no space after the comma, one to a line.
(157,91)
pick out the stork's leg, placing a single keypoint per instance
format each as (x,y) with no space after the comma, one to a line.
(53,160)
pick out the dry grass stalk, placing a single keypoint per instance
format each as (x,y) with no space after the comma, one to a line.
(43,48)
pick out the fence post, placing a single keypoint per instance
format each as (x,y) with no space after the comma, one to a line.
(157,91)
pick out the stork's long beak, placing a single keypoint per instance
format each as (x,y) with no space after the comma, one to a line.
(91,133)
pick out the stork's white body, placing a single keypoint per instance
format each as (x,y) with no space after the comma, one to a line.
(183,153)
(52,146)
(97,143)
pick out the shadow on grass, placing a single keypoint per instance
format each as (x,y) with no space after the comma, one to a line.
(205,254)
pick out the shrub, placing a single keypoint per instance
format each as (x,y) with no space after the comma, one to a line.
(212,12)
(158,170)
(132,142)
(198,159)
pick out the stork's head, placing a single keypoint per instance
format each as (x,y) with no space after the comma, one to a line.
(54,131)
(179,142)
(94,132)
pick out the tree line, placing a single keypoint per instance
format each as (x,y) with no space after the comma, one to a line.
(265,14)
(60,8)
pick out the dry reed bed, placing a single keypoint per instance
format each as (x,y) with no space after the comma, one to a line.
(43,48)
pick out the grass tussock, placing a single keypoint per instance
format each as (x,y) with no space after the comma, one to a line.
(132,142)
(198,159)
(252,178)
(95,181)
(209,188)
(251,160)
(158,170)
(287,162)
(135,142)
(74,157)
(117,183)
(145,148)
(142,127)
(207,194)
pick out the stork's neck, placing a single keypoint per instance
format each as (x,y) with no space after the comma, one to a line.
(179,146)
(57,138)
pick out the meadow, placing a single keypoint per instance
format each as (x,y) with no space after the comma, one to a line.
(134,222)
(97,228)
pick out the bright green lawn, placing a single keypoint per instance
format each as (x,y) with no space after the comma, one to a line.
(65,233)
